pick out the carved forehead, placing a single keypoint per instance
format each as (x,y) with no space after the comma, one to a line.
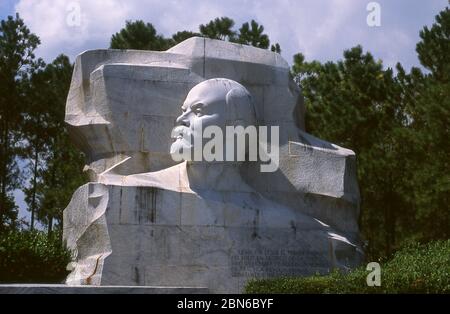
(210,90)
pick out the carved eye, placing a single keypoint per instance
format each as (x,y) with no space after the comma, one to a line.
(197,110)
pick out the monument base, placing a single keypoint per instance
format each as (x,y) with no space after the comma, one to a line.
(65,289)
(144,236)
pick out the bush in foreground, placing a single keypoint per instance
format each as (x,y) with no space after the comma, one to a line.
(414,269)
(32,257)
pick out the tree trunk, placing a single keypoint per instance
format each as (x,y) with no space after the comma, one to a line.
(50,215)
(387,237)
(50,225)
(393,220)
(33,197)
(390,221)
(3,166)
(1,174)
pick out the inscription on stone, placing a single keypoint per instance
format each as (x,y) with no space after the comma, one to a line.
(275,263)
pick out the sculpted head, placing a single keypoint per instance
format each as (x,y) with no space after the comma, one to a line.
(213,103)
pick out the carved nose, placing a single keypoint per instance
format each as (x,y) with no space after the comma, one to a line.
(183,120)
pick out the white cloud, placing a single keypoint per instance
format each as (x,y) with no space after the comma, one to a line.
(306,26)
(392,53)
(321,29)
(48,19)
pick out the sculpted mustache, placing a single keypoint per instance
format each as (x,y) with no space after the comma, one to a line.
(181,130)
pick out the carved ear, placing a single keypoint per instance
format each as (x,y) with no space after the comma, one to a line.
(239,103)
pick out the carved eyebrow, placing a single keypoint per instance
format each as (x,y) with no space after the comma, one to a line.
(196,106)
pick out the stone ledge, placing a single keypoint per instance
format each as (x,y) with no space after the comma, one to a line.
(64,289)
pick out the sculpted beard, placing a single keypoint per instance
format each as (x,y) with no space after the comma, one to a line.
(182,147)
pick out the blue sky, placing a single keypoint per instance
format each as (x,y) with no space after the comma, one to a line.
(320,29)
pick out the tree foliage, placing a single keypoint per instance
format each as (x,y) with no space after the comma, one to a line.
(17,61)
(433,49)
(253,34)
(33,133)
(139,35)
(398,125)
(32,257)
(59,170)
(143,36)
(219,28)
(178,37)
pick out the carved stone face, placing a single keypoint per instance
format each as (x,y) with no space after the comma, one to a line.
(215,102)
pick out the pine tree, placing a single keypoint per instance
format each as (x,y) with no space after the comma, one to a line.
(219,28)
(253,35)
(140,36)
(17,45)
(60,171)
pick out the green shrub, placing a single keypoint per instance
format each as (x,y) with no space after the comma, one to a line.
(414,269)
(32,257)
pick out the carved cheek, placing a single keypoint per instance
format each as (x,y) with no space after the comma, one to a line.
(213,119)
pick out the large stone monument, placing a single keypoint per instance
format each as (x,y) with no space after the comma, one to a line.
(147,220)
